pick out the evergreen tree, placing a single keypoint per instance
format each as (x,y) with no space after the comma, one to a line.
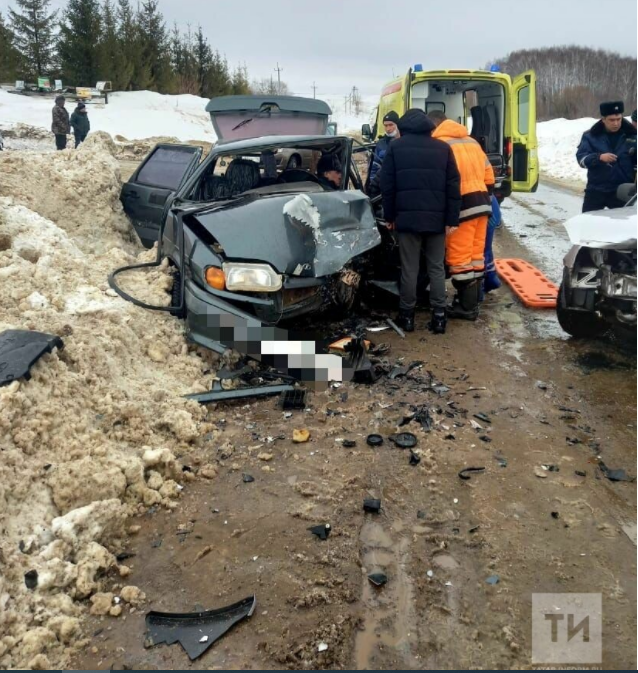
(10,58)
(204,60)
(110,57)
(129,45)
(218,81)
(184,63)
(240,84)
(33,28)
(78,46)
(155,50)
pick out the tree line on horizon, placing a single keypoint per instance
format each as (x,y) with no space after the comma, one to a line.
(572,81)
(95,40)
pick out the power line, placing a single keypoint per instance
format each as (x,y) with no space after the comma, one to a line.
(279,70)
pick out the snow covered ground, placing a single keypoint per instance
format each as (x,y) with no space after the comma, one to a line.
(144,114)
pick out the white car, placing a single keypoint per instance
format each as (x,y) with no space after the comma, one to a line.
(598,290)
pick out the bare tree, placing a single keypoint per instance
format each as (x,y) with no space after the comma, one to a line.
(572,80)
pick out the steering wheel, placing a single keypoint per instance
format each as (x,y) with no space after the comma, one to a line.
(297,175)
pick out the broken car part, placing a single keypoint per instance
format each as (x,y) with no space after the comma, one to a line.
(20,349)
(378,579)
(403,440)
(322,531)
(293,399)
(374,440)
(218,394)
(372,505)
(396,328)
(196,631)
(403,371)
(358,362)
(466,472)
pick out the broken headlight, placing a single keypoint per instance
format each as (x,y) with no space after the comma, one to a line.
(251,278)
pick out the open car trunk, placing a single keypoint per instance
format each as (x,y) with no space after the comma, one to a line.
(241,117)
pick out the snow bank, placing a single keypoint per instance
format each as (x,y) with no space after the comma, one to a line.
(76,438)
(134,114)
(557,143)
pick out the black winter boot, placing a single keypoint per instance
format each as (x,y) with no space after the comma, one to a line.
(438,322)
(465,305)
(405,320)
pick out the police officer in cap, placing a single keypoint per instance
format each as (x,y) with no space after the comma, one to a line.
(608,152)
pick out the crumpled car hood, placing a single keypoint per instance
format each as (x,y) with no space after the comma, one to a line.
(604,228)
(307,235)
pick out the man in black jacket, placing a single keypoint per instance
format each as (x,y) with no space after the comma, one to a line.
(420,185)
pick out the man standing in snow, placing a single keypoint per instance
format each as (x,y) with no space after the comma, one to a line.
(80,123)
(60,126)
(608,152)
(390,125)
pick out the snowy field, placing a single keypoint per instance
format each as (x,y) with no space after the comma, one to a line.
(144,114)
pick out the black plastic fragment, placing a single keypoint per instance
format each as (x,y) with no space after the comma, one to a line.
(403,371)
(196,631)
(247,478)
(501,460)
(485,438)
(358,361)
(218,394)
(378,579)
(321,531)
(482,417)
(414,459)
(374,440)
(20,349)
(124,556)
(372,505)
(349,443)
(293,399)
(615,475)
(466,472)
(555,515)
(580,473)
(403,440)
(31,579)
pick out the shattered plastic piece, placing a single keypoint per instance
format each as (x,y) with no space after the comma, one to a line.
(372,505)
(321,531)
(483,417)
(615,475)
(340,345)
(555,515)
(440,389)
(580,473)
(20,349)
(493,579)
(473,529)
(502,461)
(218,394)
(396,328)
(378,579)
(190,629)
(403,371)
(414,459)
(551,468)
(404,440)
(430,573)
(475,425)
(377,329)
(466,472)
(322,647)
(358,361)
(421,514)
(374,440)
(247,478)
(485,438)
(31,579)
(293,399)
(300,436)
(349,443)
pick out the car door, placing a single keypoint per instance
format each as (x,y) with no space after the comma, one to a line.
(525,168)
(154,184)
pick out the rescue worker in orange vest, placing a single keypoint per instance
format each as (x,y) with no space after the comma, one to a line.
(465,244)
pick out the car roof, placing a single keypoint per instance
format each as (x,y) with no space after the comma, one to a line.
(267,141)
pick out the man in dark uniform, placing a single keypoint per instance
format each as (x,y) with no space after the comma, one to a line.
(608,152)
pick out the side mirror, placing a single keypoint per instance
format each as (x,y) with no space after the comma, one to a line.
(366,131)
(626,191)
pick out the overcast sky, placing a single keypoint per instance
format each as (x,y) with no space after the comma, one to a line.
(341,43)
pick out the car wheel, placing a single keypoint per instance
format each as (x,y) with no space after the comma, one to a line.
(294,162)
(580,324)
(176,298)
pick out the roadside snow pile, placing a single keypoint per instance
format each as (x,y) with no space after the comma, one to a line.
(93,436)
(79,190)
(558,140)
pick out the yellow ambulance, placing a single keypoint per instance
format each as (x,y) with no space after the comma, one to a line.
(498,111)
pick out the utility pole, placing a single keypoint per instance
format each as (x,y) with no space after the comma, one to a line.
(278,69)
(314,90)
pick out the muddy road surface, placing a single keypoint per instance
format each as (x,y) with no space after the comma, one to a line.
(537,410)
